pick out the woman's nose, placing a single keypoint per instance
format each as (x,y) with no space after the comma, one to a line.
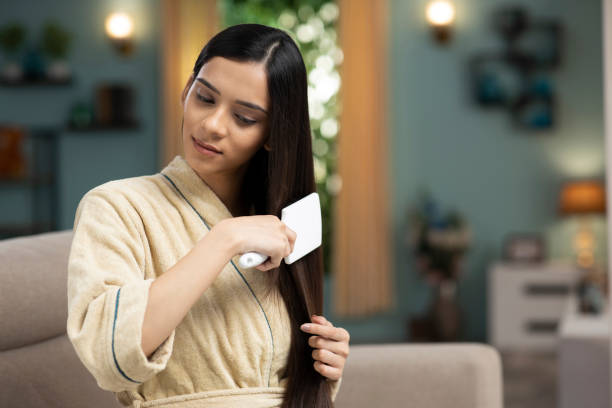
(215,123)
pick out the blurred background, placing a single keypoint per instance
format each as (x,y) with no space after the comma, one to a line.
(458,150)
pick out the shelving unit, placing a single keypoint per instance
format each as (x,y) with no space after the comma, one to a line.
(42,152)
(41,179)
(41,175)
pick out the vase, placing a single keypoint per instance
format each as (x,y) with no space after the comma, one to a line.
(445,313)
(33,65)
(58,70)
(11,71)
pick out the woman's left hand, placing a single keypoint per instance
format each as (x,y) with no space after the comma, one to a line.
(330,344)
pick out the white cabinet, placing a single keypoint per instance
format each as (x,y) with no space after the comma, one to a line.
(584,359)
(526,303)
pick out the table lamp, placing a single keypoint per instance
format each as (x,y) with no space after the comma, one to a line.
(583,198)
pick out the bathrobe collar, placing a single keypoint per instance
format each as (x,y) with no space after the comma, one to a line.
(196,192)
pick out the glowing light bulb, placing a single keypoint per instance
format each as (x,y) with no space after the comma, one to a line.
(119,26)
(440,12)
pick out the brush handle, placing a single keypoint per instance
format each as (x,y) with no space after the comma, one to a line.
(252,259)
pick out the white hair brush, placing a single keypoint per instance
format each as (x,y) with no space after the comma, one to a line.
(303,217)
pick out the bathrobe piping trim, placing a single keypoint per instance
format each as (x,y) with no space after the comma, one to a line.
(113,341)
(237,270)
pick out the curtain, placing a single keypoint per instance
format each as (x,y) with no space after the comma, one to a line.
(186,26)
(362,257)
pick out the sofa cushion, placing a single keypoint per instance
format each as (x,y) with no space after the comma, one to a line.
(33,295)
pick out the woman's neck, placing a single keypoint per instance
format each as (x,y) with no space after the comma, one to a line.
(230,193)
(230,190)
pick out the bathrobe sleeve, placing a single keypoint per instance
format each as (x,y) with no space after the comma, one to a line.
(107,293)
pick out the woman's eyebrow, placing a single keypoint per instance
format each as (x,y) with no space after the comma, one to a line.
(247,104)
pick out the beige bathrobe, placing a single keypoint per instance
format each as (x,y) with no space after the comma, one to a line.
(231,348)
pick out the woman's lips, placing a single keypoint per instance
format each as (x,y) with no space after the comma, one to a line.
(203,149)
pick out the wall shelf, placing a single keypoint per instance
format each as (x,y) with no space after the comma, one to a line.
(25,82)
(31,180)
(102,128)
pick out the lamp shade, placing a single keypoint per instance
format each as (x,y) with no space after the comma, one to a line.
(583,197)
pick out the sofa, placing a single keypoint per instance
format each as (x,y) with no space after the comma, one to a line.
(39,368)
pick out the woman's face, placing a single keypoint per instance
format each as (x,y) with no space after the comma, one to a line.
(225,107)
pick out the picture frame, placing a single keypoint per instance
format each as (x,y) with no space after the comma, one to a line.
(518,76)
(524,247)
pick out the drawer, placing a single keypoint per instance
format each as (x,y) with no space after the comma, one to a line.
(526,305)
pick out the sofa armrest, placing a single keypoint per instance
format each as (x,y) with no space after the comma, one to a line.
(457,375)
(33,271)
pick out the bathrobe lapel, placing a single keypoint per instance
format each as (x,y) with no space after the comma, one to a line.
(196,192)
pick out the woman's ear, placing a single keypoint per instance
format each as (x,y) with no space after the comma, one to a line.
(186,89)
(266,144)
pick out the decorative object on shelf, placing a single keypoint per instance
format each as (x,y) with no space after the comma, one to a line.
(12,160)
(34,65)
(81,116)
(115,105)
(518,78)
(439,244)
(119,29)
(441,15)
(56,43)
(584,198)
(12,38)
(113,109)
(524,247)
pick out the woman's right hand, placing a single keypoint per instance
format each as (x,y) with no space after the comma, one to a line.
(265,234)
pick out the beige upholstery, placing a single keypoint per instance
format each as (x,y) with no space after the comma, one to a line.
(39,368)
(422,375)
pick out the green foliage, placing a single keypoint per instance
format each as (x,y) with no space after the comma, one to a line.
(55,40)
(261,11)
(312,25)
(12,37)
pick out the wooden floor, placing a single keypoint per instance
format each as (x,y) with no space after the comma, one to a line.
(530,379)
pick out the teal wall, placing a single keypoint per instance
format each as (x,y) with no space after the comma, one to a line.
(471,159)
(501,179)
(87,159)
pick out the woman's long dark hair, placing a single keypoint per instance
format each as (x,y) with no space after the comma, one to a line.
(277,178)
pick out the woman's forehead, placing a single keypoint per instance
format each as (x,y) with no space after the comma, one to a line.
(237,79)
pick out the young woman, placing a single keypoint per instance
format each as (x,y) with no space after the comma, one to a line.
(159,310)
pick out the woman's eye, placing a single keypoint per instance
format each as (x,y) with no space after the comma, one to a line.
(245,120)
(204,99)
(239,117)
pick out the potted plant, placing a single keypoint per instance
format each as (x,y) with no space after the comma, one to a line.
(439,243)
(12,38)
(56,43)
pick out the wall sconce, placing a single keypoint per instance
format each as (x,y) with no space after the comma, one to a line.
(119,28)
(441,15)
